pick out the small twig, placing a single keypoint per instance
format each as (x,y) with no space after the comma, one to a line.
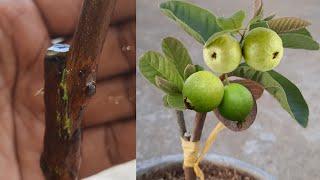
(182,124)
(242,36)
(226,79)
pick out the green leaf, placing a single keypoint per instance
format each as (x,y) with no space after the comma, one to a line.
(287,24)
(176,102)
(199,68)
(153,64)
(254,20)
(257,12)
(269,17)
(232,23)
(175,51)
(165,101)
(196,21)
(259,24)
(302,31)
(167,86)
(288,95)
(298,41)
(190,69)
(258,8)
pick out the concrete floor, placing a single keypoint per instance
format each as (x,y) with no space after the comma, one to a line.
(275,142)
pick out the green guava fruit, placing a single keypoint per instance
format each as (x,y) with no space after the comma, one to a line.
(223,54)
(262,49)
(203,91)
(237,102)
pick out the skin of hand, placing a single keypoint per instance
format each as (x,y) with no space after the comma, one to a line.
(26,30)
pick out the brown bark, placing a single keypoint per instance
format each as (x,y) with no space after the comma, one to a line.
(196,136)
(182,125)
(69,83)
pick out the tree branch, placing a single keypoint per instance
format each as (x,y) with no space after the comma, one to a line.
(198,127)
(182,125)
(69,83)
(196,136)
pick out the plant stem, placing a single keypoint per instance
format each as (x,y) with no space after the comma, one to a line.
(240,34)
(196,136)
(198,126)
(69,83)
(244,33)
(226,79)
(182,124)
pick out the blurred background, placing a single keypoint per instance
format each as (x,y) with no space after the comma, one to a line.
(275,142)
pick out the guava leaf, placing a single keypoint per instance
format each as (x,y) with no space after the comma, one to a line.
(167,86)
(199,68)
(174,101)
(258,8)
(254,20)
(303,31)
(287,94)
(269,17)
(175,51)
(190,69)
(287,24)
(259,24)
(233,22)
(165,101)
(153,64)
(197,22)
(298,41)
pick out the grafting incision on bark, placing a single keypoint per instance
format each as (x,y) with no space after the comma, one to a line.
(70,77)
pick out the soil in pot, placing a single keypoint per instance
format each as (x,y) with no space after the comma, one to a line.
(211,171)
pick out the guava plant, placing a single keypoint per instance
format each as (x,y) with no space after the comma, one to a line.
(231,88)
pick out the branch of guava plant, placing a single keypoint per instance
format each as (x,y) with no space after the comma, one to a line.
(196,136)
(242,36)
(198,126)
(226,79)
(69,83)
(182,125)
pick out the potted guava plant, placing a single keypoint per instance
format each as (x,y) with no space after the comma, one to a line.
(240,61)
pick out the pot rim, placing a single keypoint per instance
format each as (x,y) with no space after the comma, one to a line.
(163,161)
